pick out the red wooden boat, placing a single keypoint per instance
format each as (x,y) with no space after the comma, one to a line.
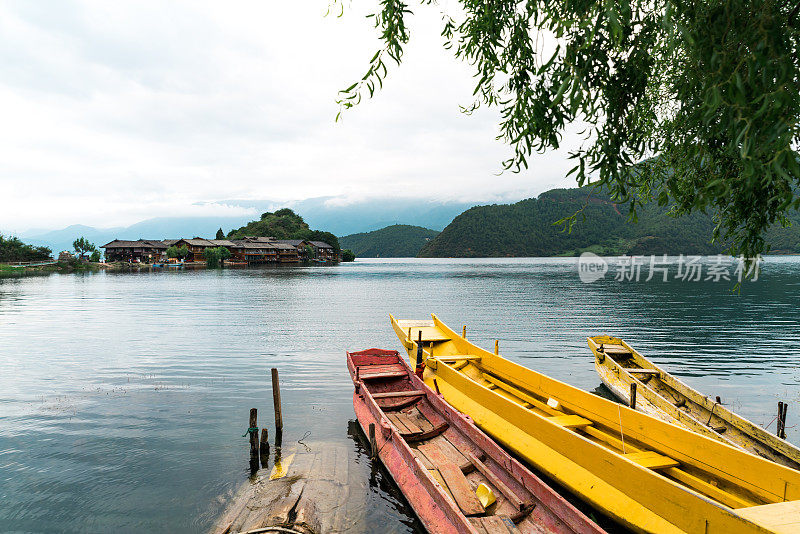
(444,464)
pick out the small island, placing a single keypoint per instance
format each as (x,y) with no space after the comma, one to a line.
(282,237)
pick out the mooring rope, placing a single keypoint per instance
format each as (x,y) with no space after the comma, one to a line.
(251,430)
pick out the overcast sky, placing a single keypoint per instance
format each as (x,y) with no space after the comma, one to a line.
(114,112)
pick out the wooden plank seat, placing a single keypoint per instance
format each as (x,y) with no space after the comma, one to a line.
(614,349)
(636,371)
(375,376)
(393,394)
(412,437)
(652,460)
(372,372)
(570,421)
(429,332)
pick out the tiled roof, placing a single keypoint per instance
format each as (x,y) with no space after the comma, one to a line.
(141,243)
(293,242)
(222,243)
(199,242)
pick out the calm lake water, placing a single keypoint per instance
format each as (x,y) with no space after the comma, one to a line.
(123,397)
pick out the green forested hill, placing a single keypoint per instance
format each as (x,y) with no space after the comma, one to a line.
(396,241)
(526,229)
(283,224)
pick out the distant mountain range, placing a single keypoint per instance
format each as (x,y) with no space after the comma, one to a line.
(336,215)
(526,229)
(157,228)
(402,227)
(396,241)
(330,213)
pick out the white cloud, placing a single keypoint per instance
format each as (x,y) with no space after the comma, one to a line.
(118,111)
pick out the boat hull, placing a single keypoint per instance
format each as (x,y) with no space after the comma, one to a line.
(429,488)
(647,474)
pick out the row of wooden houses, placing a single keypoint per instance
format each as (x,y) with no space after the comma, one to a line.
(251,250)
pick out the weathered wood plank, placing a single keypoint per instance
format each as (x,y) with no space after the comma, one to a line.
(452,452)
(313,495)
(477,524)
(387,374)
(457,483)
(408,421)
(437,476)
(635,371)
(420,420)
(422,458)
(397,422)
(495,524)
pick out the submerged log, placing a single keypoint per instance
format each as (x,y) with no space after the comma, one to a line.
(308,492)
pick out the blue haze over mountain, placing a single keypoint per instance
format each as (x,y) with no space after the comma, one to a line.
(341,218)
(323,213)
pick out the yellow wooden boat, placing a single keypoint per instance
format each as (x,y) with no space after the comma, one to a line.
(645,473)
(662,395)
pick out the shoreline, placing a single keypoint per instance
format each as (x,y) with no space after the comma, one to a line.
(63,267)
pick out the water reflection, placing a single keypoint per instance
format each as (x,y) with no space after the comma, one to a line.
(382,487)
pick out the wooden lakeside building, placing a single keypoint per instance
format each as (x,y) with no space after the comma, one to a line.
(251,250)
(141,251)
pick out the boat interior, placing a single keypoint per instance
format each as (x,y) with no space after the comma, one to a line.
(493,499)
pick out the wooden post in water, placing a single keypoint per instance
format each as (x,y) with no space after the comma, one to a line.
(253,431)
(781,431)
(373,444)
(497,346)
(264,448)
(418,366)
(633,395)
(276,401)
(464,331)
